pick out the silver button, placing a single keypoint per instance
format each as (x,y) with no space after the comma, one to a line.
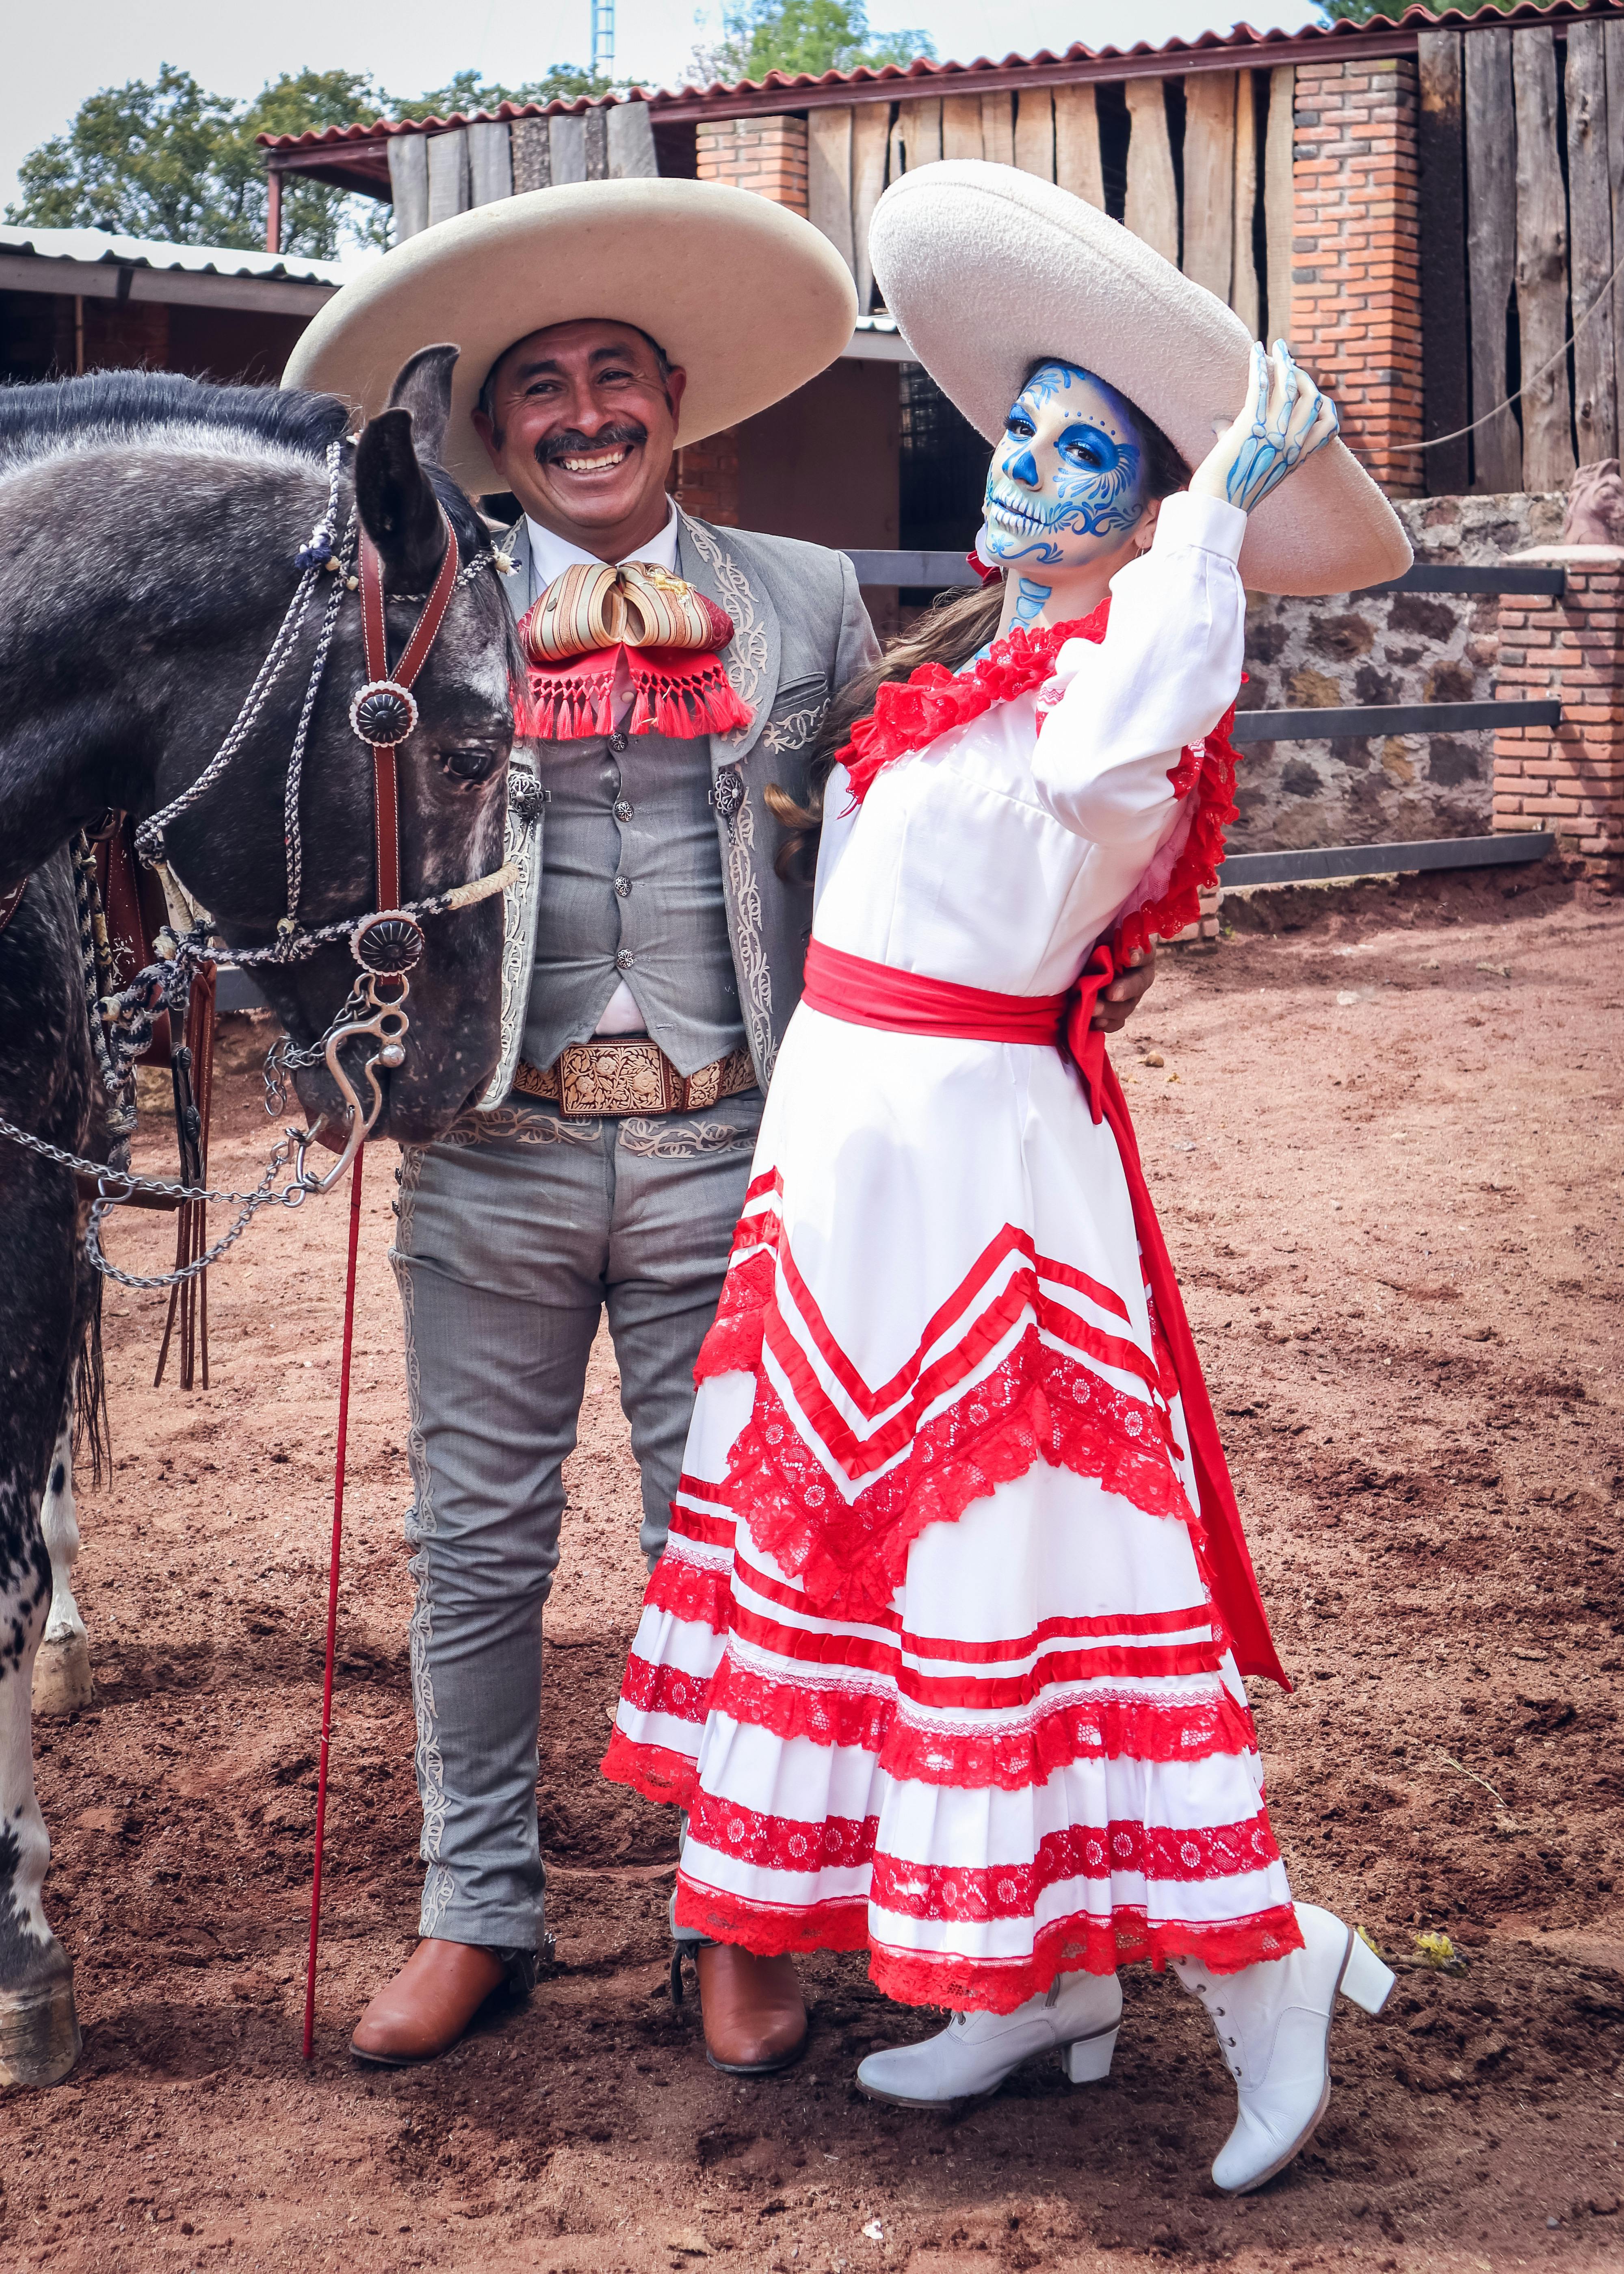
(624,959)
(623,885)
(618,743)
(623,809)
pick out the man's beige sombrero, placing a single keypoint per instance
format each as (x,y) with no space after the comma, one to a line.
(987,270)
(750,299)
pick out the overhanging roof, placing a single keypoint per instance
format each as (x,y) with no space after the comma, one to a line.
(95,265)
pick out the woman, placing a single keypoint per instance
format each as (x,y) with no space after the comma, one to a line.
(944,1657)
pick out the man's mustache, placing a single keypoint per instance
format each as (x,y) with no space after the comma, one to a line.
(574,444)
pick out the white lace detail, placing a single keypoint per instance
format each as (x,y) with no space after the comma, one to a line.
(521,847)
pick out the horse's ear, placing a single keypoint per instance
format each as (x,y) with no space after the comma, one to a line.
(422,386)
(396,503)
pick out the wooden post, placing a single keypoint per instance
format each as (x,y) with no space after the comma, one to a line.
(490,163)
(916,138)
(1035,132)
(961,126)
(631,143)
(1542,266)
(998,129)
(829,177)
(1278,201)
(567,147)
(273,211)
(1151,208)
(1243,295)
(1491,251)
(408,184)
(1445,359)
(1612,48)
(870,133)
(531,142)
(1590,210)
(1077,145)
(1209,178)
(447,174)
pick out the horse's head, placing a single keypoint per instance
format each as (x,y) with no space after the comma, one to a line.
(453,769)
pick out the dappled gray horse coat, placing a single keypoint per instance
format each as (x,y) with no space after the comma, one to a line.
(518,1231)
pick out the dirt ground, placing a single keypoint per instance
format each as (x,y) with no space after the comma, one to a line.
(1382,1125)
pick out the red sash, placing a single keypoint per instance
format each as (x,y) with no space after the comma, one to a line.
(867,994)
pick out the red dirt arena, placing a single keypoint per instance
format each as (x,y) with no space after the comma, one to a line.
(1382,1125)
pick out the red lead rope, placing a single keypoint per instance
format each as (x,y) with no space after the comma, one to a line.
(338,1534)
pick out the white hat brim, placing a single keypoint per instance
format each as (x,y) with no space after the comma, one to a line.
(988,270)
(748,297)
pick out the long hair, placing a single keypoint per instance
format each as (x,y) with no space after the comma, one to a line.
(949,632)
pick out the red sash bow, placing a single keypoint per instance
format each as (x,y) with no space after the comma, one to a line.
(867,994)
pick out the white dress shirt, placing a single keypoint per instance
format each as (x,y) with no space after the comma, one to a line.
(550,556)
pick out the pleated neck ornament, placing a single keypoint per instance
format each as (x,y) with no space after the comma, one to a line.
(598,633)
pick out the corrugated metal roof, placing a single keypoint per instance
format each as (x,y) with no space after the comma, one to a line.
(926,77)
(96,245)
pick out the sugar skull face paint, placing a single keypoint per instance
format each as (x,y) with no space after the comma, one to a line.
(1067,481)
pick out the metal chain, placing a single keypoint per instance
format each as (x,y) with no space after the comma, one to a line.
(126,1179)
(95,967)
(291,1196)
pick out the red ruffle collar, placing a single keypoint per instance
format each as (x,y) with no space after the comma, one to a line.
(909,714)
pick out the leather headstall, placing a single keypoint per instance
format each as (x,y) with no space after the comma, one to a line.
(385,710)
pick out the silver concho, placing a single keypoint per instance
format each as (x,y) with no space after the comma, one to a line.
(383,713)
(388,944)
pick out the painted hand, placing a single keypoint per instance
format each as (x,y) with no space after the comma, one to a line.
(1285,420)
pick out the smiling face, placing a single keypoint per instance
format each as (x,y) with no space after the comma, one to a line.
(1068,480)
(581,424)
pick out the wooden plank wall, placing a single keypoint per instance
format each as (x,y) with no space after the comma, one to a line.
(1516,253)
(1234,168)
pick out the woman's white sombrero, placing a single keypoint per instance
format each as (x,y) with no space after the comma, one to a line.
(750,299)
(987,270)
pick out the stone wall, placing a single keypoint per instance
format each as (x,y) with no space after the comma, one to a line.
(1401,647)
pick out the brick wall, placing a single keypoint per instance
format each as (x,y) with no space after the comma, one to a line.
(1569,778)
(1355,305)
(706,481)
(768,155)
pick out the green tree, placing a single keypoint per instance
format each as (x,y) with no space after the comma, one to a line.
(1362,12)
(804,35)
(468,91)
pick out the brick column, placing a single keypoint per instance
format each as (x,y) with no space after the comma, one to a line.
(706,482)
(1568,778)
(768,155)
(1356,299)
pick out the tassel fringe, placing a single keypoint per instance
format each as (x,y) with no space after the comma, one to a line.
(677,692)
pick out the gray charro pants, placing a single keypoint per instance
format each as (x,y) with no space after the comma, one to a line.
(513,1236)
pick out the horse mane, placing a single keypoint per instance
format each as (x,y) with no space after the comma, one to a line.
(106,408)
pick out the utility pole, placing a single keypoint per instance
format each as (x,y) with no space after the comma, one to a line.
(603,36)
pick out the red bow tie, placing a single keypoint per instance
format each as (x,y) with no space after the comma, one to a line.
(593,621)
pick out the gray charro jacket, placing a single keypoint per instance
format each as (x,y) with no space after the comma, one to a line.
(800,632)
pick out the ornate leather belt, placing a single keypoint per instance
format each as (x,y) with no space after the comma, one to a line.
(615,1074)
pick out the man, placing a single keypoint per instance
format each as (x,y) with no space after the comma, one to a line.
(652,959)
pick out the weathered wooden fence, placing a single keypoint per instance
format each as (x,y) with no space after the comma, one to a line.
(1199,167)
(1522,144)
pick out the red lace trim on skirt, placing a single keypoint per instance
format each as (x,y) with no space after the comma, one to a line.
(1010,1759)
(666,1778)
(1037,1404)
(1078,1945)
(699,1594)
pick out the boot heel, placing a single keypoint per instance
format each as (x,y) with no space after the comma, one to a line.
(1088,2060)
(1365,1980)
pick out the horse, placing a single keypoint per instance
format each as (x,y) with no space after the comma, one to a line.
(168,540)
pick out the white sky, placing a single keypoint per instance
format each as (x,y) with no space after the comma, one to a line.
(61,54)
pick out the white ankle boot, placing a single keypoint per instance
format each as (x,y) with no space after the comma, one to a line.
(1077,2017)
(1273,2022)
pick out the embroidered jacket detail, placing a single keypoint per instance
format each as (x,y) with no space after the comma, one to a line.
(527,804)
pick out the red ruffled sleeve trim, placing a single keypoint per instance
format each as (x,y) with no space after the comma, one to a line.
(1208,769)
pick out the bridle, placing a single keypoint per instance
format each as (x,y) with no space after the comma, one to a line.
(387,942)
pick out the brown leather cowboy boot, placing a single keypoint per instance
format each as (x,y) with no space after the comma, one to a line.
(755,2015)
(430,2003)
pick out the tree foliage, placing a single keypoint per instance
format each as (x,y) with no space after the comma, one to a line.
(164,158)
(803,35)
(1364,12)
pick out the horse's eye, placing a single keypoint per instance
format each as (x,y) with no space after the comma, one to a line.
(467,764)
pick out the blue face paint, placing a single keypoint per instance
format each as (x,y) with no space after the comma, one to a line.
(1067,482)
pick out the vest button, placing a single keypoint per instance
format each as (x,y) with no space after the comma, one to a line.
(619,742)
(624,959)
(623,809)
(623,885)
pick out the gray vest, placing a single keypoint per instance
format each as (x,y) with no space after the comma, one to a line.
(634,892)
